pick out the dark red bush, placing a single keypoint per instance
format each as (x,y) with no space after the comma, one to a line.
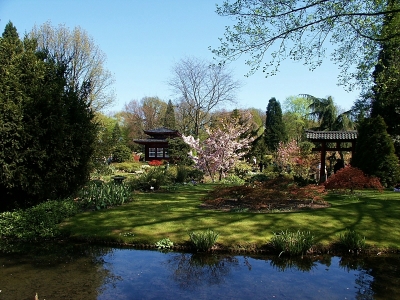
(350,178)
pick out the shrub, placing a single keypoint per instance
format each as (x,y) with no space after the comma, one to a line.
(154,177)
(195,174)
(242,169)
(350,178)
(99,196)
(39,221)
(128,167)
(233,179)
(155,163)
(165,243)
(259,178)
(352,241)
(181,174)
(122,153)
(292,243)
(203,240)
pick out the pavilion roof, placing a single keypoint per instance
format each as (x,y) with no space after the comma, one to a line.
(161,130)
(331,135)
(150,141)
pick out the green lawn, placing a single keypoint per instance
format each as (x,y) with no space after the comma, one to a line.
(153,216)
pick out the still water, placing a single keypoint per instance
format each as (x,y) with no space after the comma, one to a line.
(76,271)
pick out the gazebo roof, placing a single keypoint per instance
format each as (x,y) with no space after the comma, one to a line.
(331,135)
(161,130)
(151,141)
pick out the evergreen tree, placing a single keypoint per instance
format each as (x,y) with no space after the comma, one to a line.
(178,152)
(275,130)
(116,135)
(325,112)
(169,117)
(375,154)
(46,128)
(386,91)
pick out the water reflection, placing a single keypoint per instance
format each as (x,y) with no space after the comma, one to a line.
(53,270)
(281,264)
(73,271)
(195,270)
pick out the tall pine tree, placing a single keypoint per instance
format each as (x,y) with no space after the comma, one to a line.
(386,91)
(169,117)
(374,153)
(275,130)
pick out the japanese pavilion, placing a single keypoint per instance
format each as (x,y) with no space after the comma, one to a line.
(156,146)
(331,141)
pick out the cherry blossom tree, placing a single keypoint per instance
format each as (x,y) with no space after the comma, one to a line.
(224,146)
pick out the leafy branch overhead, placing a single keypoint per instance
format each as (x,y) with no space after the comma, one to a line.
(302,30)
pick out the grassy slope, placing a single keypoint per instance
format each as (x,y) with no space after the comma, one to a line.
(153,216)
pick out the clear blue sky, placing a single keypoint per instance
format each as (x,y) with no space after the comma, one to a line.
(143,39)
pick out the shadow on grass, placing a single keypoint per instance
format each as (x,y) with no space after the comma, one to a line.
(153,216)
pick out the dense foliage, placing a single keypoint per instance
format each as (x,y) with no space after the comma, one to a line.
(169,117)
(97,195)
(46,128)
(375,153)
(121,153)
(350,178)
(275,130)
(40,221)
(178,152)
(386,95)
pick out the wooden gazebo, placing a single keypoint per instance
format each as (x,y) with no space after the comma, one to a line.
(156,146)
(331,137)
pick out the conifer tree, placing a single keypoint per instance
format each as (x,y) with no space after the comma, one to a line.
(275,130)
(46,128)
(169,117)
(374,153)
(386,91)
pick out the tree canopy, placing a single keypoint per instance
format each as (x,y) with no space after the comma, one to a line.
(85,60)
(325,112)
(301,30)
(46,128)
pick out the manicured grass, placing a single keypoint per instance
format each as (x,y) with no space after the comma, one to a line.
(153,216)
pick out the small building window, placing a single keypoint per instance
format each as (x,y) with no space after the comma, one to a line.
(166,152)
(160,152)
(152,152)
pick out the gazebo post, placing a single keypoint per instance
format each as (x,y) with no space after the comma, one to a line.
(322,164)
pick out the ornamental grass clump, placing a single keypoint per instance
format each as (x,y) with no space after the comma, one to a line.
(352,240)
(203,240)
(292,243)
(98,196)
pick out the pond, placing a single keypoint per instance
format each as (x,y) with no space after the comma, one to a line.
(79,271)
